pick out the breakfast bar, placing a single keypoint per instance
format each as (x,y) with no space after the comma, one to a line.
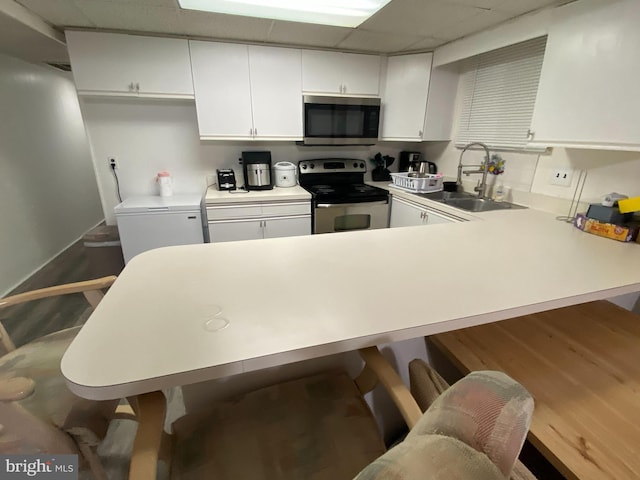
(187,314)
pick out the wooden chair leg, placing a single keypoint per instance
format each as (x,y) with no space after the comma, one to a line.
(394,385)
(147,447)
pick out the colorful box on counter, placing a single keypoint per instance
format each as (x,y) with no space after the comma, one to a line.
(622,233)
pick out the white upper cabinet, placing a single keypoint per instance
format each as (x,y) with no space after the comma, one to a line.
(418,101)
(247,92)
(222,89)
(404,100)
(130,65)
(276,92)
(588,95)
(340,73)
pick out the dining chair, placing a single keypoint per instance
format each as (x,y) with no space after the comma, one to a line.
(38,413)
(427,385)
(320,428)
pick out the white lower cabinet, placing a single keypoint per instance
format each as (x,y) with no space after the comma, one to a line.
(228,223)
(405,213)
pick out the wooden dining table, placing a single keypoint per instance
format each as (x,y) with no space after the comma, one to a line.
(582,366)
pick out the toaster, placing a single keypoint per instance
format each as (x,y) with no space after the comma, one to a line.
(226,179)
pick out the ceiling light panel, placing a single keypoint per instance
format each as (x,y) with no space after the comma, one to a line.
(341,13)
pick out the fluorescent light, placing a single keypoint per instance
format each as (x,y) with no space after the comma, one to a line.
(341,13)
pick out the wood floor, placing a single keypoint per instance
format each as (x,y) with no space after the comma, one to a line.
(29,321)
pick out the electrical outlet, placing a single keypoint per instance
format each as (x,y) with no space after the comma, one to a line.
(562,177)
(112,162)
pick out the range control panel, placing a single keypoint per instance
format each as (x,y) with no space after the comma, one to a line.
(332,165)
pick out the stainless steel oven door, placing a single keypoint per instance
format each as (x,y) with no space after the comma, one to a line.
(345,217)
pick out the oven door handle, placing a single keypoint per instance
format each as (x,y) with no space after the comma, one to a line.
(359,204)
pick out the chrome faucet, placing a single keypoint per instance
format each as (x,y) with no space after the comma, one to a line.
(483,169)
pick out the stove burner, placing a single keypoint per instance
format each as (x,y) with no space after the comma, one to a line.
(362,188)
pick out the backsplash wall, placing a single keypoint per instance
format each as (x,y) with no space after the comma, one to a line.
(147,136)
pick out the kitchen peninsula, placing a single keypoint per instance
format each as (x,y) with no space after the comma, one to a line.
(344,292)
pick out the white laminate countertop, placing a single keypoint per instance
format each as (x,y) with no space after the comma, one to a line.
(213,196)
(291,299)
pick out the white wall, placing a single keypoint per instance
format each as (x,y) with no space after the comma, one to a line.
(146,136)
(48,194)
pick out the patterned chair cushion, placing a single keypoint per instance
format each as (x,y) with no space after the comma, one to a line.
(432,457)
(315,428)
(51,400)
(426,387)
(473,430)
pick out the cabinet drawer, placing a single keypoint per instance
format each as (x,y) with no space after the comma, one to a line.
(235,211)
(284,209)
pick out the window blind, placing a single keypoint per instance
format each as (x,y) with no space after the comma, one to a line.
(498,91)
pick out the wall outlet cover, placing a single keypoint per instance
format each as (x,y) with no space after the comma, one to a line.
(562,177)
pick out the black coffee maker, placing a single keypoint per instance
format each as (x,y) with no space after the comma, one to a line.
(409,161)
(256,167)
(413,161)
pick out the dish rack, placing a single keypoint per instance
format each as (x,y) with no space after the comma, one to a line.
(429,183)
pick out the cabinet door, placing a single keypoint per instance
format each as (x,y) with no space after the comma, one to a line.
(433,218)
(109,63)
(287,227)
(321,71)
(223,93)
(276,92)
(360,74)
(588,94)
(405,97)
(406,214)
(230,231)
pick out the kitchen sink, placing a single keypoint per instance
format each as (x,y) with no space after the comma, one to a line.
(444,197)
(468,201)
(479,204)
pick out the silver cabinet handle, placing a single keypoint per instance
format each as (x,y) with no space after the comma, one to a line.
(255,132)
(426,217)
(420,133)
(137,87)
(131,87)
(251,132)
(531,135)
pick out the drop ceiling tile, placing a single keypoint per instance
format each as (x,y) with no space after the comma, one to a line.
(294,33)
(418,17)
(518,7)
(220,26)
(377,42)
(485,4)
(60,13)
(484,19)
(157,3)
(425,44)
(138,18)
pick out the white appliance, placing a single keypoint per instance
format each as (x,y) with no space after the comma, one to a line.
(285,174)
(152,222)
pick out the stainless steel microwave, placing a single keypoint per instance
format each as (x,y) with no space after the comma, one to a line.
(341,120)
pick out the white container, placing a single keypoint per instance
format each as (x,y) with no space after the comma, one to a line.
(285,174)
(165,182)
(428,183)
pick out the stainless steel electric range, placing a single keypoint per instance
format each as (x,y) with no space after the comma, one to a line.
(341,200)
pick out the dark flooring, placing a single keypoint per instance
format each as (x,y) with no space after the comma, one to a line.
(31,320)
